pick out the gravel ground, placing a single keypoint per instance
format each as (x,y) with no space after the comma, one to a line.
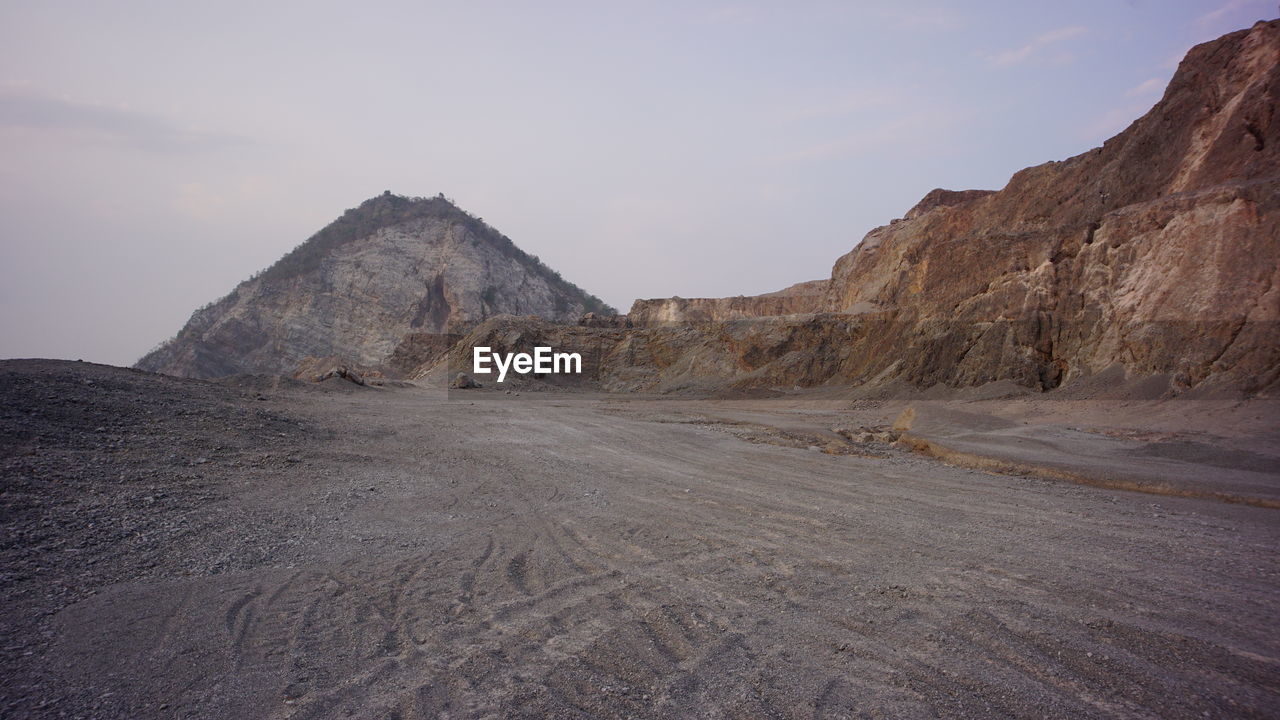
(267,549)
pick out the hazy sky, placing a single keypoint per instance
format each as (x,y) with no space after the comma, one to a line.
(154,154)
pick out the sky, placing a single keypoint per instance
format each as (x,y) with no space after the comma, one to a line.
(155,154)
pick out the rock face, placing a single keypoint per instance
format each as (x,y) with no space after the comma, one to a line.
(805,297)
(388,283)
(321,369)
(1158,253)
(464,381)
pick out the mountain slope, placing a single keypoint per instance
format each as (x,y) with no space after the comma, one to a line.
(391,270)
(1157,253)
(1159,250)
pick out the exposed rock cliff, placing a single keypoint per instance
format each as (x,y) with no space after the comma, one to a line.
(1158,252)
(372,288)
(805,297)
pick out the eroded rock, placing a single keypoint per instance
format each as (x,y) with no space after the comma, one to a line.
(463,381)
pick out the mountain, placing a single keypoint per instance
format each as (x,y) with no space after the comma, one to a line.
(1154,258)
(1158,252)
(386,279)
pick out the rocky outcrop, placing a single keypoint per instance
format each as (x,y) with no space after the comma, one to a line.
(938,197)
(321,369)
(464,381)
(806,297)
(1158,253)
(605,321)
(418,349)
(373,288)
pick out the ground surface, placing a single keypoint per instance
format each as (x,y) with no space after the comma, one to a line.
(259,549)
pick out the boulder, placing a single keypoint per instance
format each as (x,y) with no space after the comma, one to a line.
(313,369)
(464,381)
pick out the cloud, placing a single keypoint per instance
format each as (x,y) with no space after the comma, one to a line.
(1147,87)
(1213,17)
(1036,47)
(101,123)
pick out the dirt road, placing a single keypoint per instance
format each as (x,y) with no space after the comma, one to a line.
(395,553)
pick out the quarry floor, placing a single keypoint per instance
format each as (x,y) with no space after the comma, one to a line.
(261,548)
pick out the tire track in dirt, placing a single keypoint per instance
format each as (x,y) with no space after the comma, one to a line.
(582,580)
(540,619)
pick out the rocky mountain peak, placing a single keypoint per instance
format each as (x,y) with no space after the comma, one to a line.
(390,268)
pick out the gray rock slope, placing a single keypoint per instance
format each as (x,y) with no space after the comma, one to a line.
(391,269)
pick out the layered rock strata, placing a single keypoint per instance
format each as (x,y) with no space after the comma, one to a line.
(801,298)
(1158,253)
